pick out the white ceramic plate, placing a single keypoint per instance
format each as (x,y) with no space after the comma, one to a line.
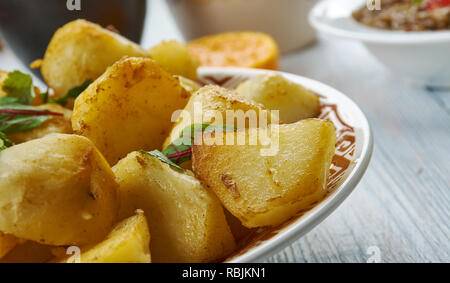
(353,151)
(421,57)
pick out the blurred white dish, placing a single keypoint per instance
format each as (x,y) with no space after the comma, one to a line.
(354,147)
(420,57)
(285,20)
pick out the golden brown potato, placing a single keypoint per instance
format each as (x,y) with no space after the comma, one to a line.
(29,252)
(128,242)
(7,243)
(55,124)
(267,190)
(57,190)
(81,50)
(212,98)
(174,57)
(186,220)
(128,108)
(277,93)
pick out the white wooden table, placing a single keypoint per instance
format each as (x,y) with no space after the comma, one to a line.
(401,208)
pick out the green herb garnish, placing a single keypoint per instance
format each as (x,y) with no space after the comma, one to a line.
(180,150)
(44,96)
(20,86)
(16,117)
(4,141)
(72,93)
(158,154)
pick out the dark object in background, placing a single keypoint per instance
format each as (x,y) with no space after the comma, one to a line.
(28,25)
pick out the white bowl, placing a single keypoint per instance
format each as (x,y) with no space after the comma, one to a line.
(285,20)
(420,57)
(353,151)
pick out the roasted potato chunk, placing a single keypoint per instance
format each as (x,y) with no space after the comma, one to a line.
(7,243)
(213,98)
(128,242)
(186,220)
(274,187)
(174,57)
(57,190)
(128,108)
(81,50)
(277,93)
(28,252)
(55,124)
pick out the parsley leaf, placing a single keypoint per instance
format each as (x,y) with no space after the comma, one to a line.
(158,154)
(180,150)
(44,96)
(72,93)
(20,86)
(4,142)
(16,117)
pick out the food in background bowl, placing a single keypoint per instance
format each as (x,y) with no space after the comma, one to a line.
(407,15)
(418,57)
(238,49)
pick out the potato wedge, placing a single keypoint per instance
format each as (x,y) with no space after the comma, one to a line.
(7,243)
(81,50)
(174,57)
(28,252)
(273,188)
(57,190)
(213,98)
(277,93)
(56,124)
(128,108)
(186,220)
(128,242)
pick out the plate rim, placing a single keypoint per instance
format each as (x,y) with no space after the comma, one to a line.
(322,210)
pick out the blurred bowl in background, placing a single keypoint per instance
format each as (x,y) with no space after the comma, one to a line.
(421,58)
(285,20)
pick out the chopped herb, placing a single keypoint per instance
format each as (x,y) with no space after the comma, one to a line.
(20,86)
(44,96)
(158,154)
(4,142)
(180,150)
(72,93)
(16,117)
